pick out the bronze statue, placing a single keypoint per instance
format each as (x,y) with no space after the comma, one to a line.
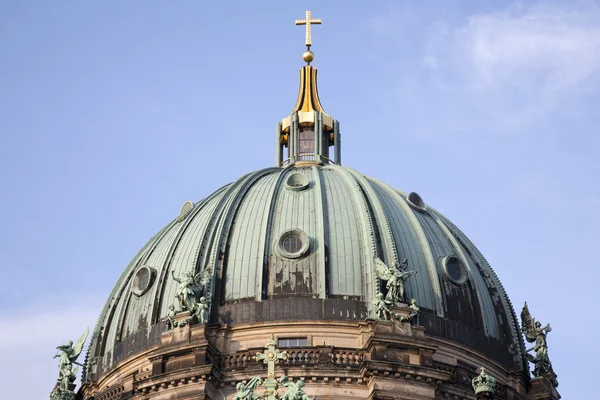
(382,307)
(246,392)
(294,390)
(68,374)
(534,332)
(200,310)
(171,323)
(395,277)
(414,312)
(187,291)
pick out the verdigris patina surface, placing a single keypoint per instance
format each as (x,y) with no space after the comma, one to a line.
(67,374)
(294,390)
(414,312)
(483,383)
(187,289)
(395,278)
(534,332)
(246,392)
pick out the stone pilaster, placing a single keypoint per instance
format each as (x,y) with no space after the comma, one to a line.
(543,389)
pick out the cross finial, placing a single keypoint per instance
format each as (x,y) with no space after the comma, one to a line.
(308,22)
(270,356)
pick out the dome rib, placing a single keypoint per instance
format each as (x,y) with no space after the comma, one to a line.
(321,232)
(346,253)
(218,255)
(261,292)
(423,244)
(390,254)
(521,363)
(176,245)
(370,280)
(490,323)
(109,335)
(207,261)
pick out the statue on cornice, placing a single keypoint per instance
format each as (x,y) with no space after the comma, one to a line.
(382,307)
(67,374)
(534,332)
(395,278)
(294,390)
(414,312)
(246,392)
(201,309)
(188,288)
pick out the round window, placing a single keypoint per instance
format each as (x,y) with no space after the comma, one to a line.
(296,181)
(143,279)
(293,243)
(454,269)
(415,201)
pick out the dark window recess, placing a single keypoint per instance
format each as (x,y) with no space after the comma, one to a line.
(454,270)
(292,244)
(293,342)
(306,144)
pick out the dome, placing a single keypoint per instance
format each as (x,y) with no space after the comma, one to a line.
(301,243)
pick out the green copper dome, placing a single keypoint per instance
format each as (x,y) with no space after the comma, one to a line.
(300,243)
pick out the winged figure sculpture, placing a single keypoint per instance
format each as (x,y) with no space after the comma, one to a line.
(395,277)
(67,357)
(535,333)
(189,288)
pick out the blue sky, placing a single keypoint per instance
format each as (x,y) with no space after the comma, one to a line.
(112,115)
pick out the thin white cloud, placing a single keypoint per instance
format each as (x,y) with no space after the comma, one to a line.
(561,45)
(506,69)
(526,60)
(28,338)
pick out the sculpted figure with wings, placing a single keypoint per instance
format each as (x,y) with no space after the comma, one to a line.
(294,390)
(246,392)
(67,358)
(395,277)
(188,290)
(534,332)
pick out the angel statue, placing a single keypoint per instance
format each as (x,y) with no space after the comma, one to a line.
(200,310)
(294,390)
(246,392)
(188,289)
(67,358)
(534,332)
(395,277)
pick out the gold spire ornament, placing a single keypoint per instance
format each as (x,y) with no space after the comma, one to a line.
(308,132)
(308,97)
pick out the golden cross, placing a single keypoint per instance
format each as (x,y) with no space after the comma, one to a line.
(270,356)
(308,22)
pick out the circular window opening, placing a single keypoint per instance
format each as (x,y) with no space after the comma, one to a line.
(185,210)
(142,281)
(293,243)
(416,201)
(454,270)
(296,181)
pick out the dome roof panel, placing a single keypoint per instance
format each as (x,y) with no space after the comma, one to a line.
(344,250)
(246,243)
(183,256)
(408,245)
